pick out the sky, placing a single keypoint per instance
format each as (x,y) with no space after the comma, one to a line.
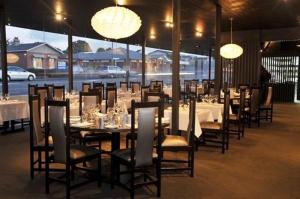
(60,40)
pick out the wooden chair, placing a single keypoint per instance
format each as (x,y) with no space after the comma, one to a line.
(99,86)
(135,87)
(239,119)
(148,97)
(140,157)
(252,112)
(65,153)
(43,92)
(50,89)
(111,97)
(59,92)
(267,106)
(31,89)
(86,86)
(180,143)
(111,85)
(124,86)
(143,90)
(217,133)
(37,137)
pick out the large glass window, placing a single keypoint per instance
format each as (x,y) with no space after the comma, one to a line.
(46,55)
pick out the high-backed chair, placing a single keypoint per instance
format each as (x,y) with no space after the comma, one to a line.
(57,120)
(43,92)
(59,92)
(141,156)
(143,90)
(267,106)
(124,86)
(31,89)
(37,137)
(220,130)
(239,119)
(50,89)
(99,86)
(182,143)
(252,112)
(86,86)
(111,97)
(111,85)
(135,87)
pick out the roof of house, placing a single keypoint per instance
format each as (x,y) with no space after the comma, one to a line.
(118,53)
(28,46)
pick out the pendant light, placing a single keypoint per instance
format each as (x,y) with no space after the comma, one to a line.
(116,22)
(231,50)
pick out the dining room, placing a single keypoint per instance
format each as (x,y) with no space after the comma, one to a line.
(149,99)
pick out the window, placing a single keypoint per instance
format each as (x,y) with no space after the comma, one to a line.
(52,63)
(37,62)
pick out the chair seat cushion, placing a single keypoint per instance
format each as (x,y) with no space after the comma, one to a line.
(42,143)
(91,136)
(174,140)
(125,154)
(233,117)
(265,106)
(78,152)
(211,125)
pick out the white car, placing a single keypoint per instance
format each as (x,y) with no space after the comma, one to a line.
(18,73)
(112,71)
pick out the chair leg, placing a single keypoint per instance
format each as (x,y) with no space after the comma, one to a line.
(68,181)
(99,171)
(31,164)
(227,140)
(40,160)
(271,115)
(192,162)
(72,172)
(223,142)
(47,174)
(112,173)
(132,183)
(158,176)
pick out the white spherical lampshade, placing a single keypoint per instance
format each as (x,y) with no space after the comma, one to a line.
(231,51)
(116,22)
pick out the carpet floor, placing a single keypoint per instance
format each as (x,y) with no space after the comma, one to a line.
(264,164)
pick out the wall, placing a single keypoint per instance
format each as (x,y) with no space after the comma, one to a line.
(246,68)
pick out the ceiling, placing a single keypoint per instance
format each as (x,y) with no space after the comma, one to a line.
(195,15)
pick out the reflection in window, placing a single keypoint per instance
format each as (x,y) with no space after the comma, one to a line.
(52,64)
(37,62)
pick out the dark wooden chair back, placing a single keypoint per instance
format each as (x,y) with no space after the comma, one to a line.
(59,92)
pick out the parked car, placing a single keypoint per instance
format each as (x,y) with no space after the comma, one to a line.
(112,71)
(18,73)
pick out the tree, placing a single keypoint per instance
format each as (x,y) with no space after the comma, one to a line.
(100,49)
(80,46)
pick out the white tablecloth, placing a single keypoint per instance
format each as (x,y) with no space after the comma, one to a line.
(202,116)
(216,109)
(13,110)
(168,90)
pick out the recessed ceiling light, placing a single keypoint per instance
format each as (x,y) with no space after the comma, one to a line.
(59,17)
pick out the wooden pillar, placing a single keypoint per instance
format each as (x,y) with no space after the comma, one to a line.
(70,55)
(218,67)
(209,65)
(175,66)
(144,61)
(127,58)
(3,50)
